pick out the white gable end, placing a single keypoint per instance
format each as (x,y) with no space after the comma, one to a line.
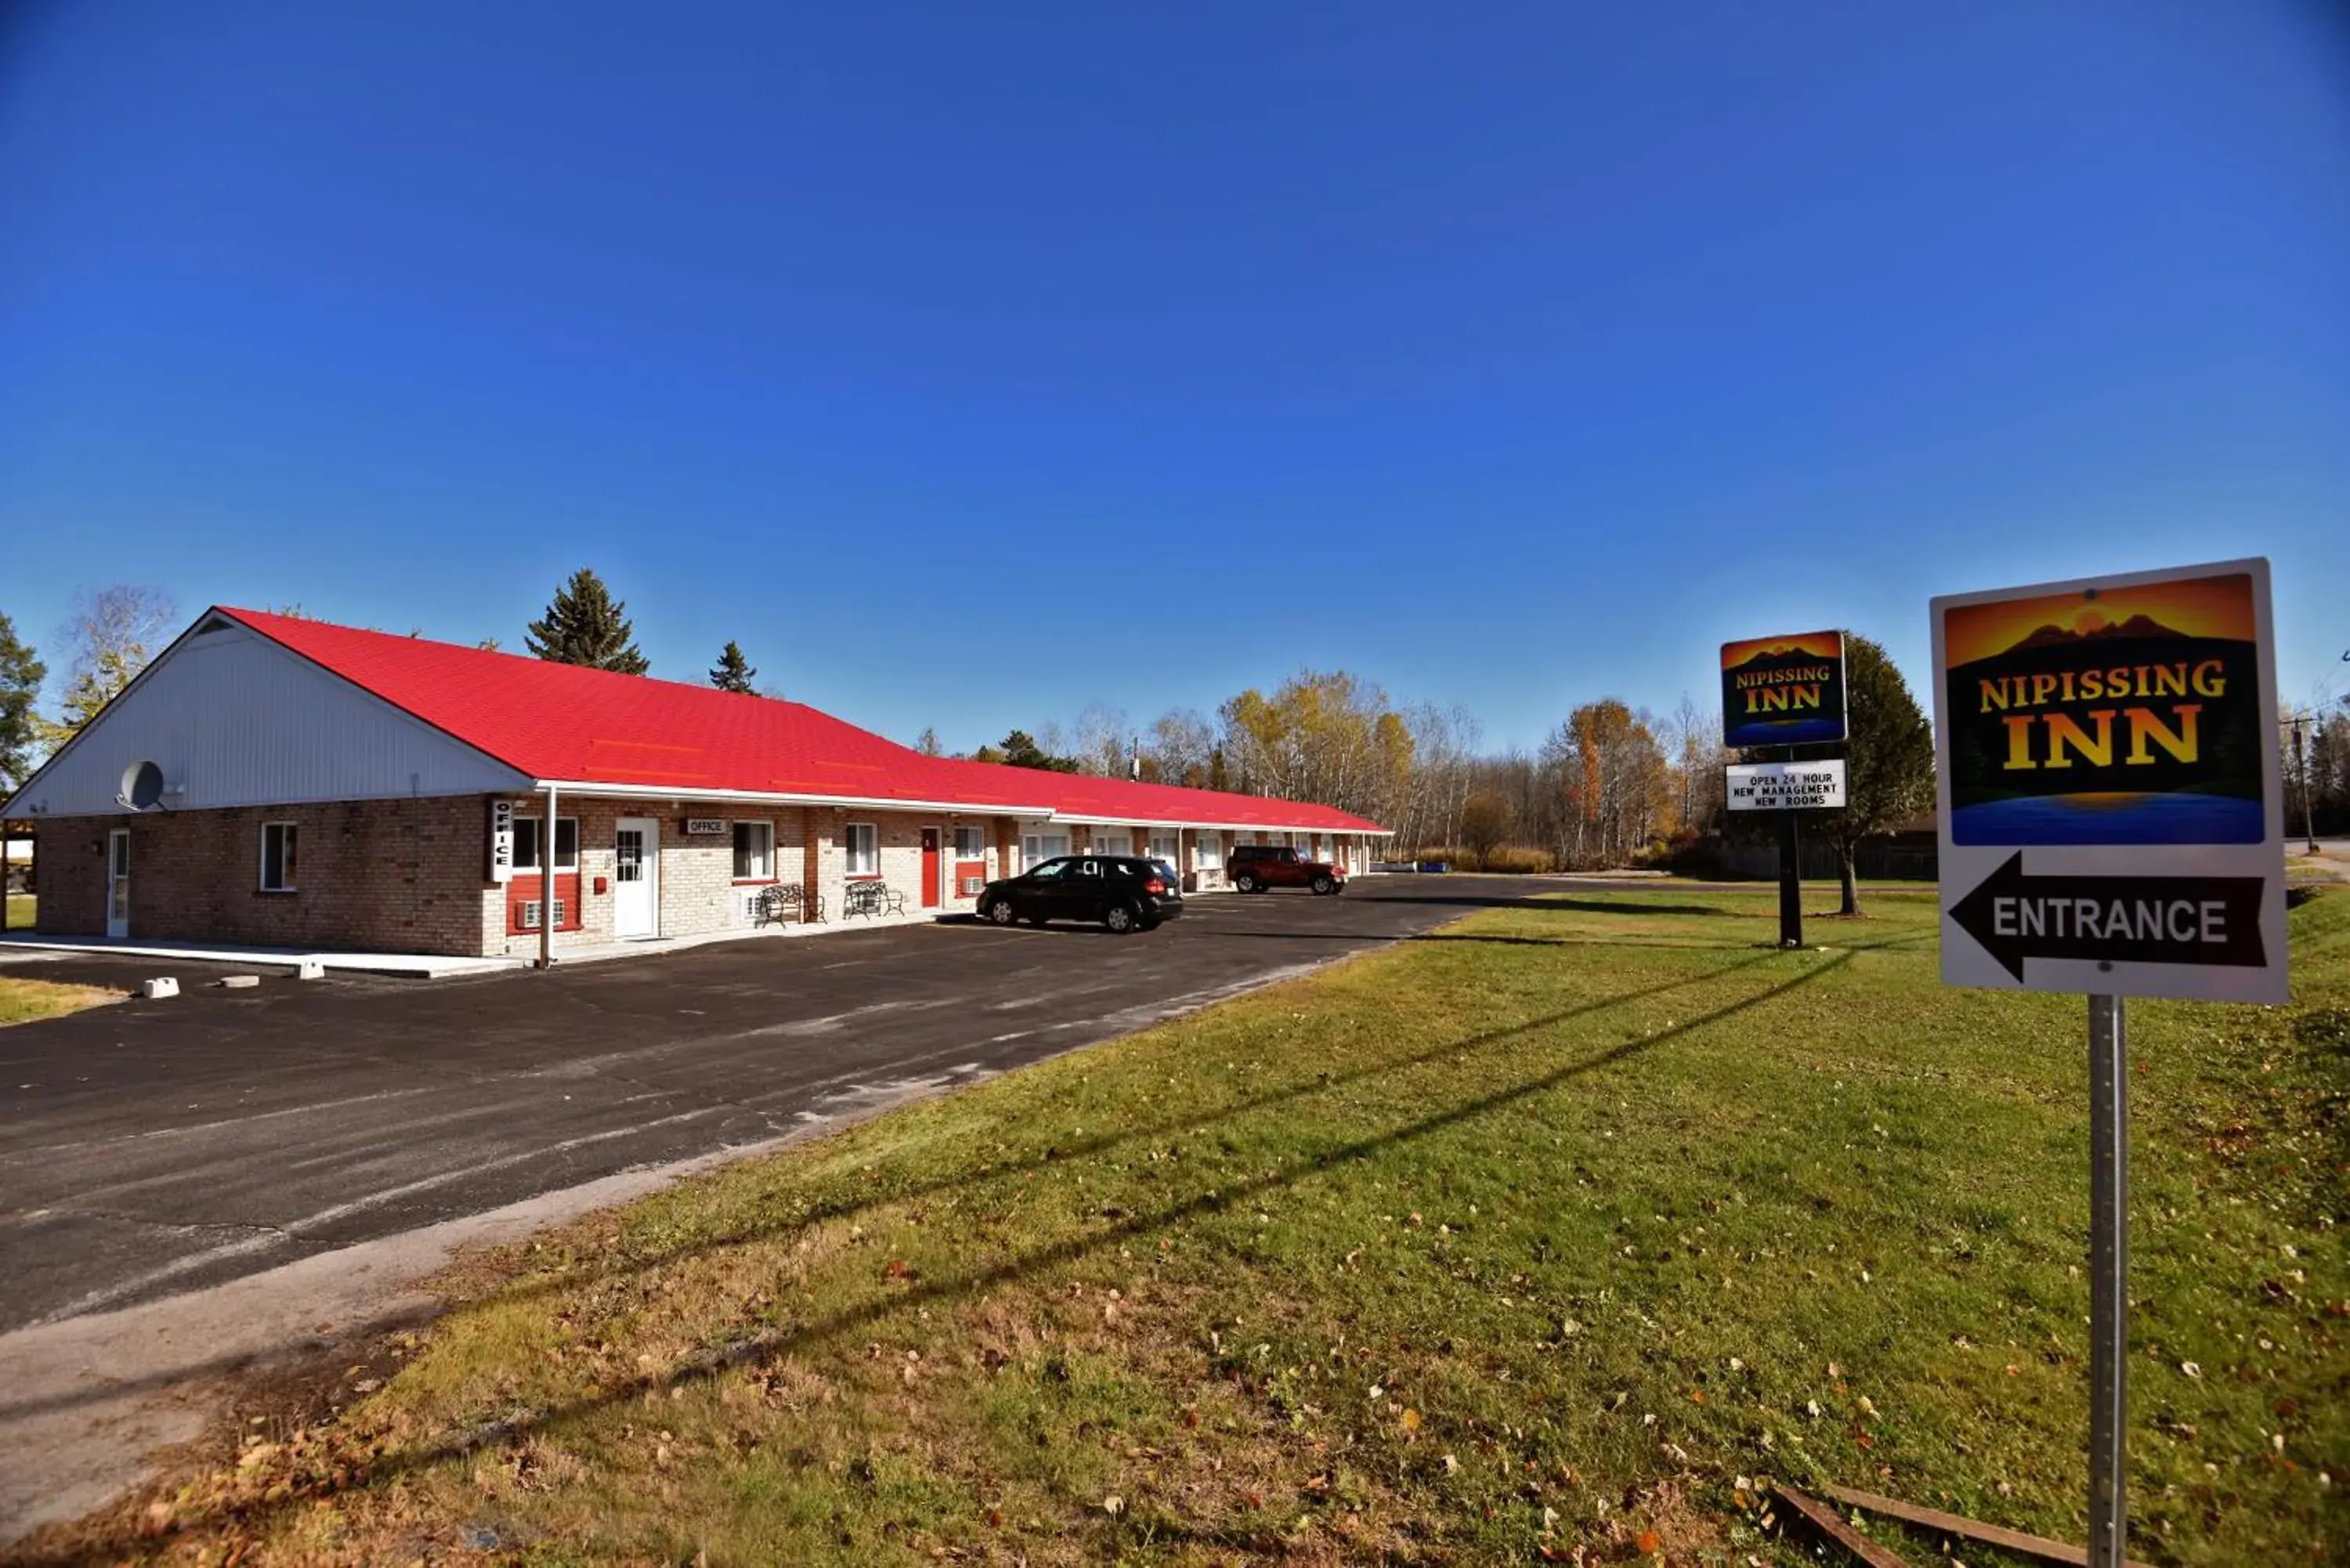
(234,719)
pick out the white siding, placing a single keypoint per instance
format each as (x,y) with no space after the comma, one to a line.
(239,721)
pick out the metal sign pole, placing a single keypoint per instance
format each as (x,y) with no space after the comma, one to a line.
(2108,1281)
(1791,875)
(1790,887)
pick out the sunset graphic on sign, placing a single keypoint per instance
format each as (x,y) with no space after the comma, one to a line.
(2195,606)
(1809,644)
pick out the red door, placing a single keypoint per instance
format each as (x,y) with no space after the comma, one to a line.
(929,869)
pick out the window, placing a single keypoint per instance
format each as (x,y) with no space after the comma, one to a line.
(1038,847)
(863,843)
(971,844)
(528,832)
(1162,847)
(1050,871)
(277,855)
(1211,851)
(754,852)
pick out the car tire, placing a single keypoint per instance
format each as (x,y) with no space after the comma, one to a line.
(1002,913)
(1324,886)
(1246,883)
(1121,919)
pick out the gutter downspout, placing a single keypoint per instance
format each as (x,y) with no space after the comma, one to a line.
(546,859)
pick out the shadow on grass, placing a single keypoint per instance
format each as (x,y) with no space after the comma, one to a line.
(822,1213)
(759,1349)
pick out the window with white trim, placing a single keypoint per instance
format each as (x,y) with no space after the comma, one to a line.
(754,852)
(1209,850)
(971,844)
(1163,847)
(278,857)
(862,841)
(529,830)
(1037,847)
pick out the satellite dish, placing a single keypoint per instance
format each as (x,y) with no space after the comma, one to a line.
(142,786)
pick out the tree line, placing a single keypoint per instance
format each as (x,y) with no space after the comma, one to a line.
(1610,785)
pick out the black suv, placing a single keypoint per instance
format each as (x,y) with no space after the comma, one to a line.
(1259,867)
(1124,892)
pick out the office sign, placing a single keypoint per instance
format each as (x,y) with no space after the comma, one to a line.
(1783,690)
(706,827)
(1787,786)
(2111,813)
(502,841)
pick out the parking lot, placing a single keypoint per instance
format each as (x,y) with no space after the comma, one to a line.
(151,1147)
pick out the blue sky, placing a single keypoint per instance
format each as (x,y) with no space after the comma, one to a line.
(973,363)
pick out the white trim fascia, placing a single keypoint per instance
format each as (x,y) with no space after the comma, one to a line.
(30,816)
(1220,826)
(844,802)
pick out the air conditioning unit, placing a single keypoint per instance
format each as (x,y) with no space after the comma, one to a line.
(970,886)
(529,921)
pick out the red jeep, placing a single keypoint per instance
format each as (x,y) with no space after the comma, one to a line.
(1254,867)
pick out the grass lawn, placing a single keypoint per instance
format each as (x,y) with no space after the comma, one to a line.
(23,1000)
(1551,1233)
(19,911)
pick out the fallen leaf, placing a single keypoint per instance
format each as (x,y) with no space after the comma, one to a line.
(1411,1420)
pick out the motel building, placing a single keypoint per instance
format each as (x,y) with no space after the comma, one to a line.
(273,781)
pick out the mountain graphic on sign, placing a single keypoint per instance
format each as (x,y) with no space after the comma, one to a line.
(2136,627)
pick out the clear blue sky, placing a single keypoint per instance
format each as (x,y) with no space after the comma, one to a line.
(973,362)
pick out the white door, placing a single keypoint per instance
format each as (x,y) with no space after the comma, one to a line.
(118,882)
(636,877)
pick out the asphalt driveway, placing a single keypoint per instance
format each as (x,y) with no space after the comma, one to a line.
(151,1147)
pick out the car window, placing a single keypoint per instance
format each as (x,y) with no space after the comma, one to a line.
(1289,857)
(1166,871)
(1051,870)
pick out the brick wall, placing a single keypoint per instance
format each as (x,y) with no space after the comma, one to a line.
(402,875)
(698,893)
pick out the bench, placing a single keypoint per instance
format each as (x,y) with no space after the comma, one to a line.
(785,902)
(874,898)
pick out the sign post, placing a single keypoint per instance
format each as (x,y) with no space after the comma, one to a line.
(1785,692)
(2111,817)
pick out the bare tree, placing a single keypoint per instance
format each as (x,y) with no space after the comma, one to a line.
(109,637)
(1103,741)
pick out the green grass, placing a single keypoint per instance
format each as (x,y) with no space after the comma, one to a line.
(18,914)
(1561,1229)
(24,1000)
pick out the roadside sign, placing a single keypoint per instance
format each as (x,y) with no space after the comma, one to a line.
(2111,822)
(1783,690)
(2112,817)
(1786,786)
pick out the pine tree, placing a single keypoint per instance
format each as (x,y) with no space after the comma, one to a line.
(733,672)
(21,675)
(586,625)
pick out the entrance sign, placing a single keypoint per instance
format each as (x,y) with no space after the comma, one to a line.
(2112,812)
(2111,822)
(1787,786)
(707,827)
(1783,690)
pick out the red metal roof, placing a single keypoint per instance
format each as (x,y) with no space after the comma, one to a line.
(564,723)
